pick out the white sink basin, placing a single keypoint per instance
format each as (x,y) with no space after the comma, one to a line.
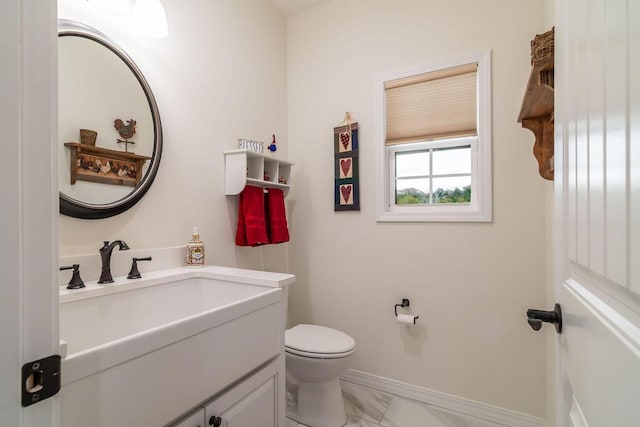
(195,329)
(104,319)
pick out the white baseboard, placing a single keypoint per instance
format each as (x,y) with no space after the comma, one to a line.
(443,400)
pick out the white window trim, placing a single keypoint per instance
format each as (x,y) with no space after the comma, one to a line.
(480,210)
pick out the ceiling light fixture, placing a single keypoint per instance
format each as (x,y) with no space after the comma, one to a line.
(150,18)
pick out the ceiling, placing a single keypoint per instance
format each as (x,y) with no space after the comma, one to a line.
(292,7)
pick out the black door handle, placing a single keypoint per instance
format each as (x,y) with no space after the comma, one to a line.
(215,421)
(536,317)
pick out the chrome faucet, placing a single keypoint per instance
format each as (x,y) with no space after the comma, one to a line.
(105,255)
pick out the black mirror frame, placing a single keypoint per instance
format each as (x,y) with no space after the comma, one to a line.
(76,208)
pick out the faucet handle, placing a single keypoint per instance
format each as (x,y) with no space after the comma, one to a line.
(134,273)
(76,281)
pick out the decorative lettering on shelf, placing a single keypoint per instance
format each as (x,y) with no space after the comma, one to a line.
(251,145)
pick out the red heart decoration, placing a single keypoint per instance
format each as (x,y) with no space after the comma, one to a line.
(346,192)
(345,164)
(345,137)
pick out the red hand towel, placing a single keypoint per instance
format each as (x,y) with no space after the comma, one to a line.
(252,229)
(277,217)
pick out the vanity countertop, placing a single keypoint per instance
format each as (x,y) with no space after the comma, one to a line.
(229,274)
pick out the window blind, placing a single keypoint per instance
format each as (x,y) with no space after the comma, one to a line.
(436,105)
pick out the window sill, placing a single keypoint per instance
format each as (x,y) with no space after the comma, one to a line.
(437,215)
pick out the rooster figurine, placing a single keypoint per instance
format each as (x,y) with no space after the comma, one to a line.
(272,147)
(126,131)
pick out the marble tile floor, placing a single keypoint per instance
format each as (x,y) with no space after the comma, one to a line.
(367,407)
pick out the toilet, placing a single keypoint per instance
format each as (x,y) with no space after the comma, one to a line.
(315,357)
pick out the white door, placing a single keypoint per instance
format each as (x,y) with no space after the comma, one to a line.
(597,190)
(28,195)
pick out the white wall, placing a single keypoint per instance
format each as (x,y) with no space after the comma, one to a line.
(470,283)
(223,72)
(218,76)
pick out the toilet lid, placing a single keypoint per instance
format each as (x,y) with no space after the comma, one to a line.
(313,339)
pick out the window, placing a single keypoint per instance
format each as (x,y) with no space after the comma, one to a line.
(434,147)
(426,174)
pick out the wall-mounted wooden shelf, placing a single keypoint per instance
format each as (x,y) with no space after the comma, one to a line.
(244,168)
(536,113)
(89,163)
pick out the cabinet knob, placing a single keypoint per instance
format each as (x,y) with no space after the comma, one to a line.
(215,421)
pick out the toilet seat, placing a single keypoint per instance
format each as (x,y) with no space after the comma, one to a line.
(319,355)
(318,342)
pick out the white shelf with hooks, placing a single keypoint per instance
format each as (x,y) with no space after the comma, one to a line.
(244,168)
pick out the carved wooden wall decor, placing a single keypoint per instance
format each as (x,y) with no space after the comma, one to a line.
(536,113)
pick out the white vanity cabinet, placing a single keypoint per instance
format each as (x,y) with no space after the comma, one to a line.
(244,168)
(255,401)
(195,419)
(143,352)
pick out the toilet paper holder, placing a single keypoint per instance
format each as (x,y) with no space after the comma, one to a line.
(405,303)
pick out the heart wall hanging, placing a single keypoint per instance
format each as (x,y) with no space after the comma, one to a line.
(346,166)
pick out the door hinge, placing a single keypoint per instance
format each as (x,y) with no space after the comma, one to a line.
(40,379)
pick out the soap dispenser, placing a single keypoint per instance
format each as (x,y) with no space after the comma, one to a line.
(195,250)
